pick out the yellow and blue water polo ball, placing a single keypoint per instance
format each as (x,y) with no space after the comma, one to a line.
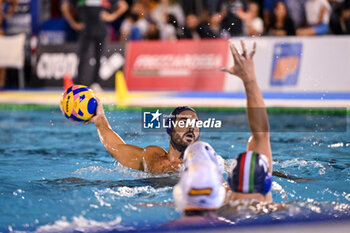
(78,103)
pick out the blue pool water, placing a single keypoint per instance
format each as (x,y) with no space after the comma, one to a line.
(55,175)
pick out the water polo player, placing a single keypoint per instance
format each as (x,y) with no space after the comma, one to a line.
(200,192)
(152,159)
(250,175)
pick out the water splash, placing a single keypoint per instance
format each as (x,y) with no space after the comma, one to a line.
(116,193)
(278,188)
(82,224)
(336,145)
(93,169)
(251,211)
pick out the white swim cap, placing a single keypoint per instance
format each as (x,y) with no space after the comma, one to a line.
(203,151)
(200,187)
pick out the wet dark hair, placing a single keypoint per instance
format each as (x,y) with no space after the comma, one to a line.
(169,129)
(175,113)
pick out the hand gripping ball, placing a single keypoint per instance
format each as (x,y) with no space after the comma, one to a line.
(78,103)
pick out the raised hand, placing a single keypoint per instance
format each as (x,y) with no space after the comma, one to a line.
(243,63)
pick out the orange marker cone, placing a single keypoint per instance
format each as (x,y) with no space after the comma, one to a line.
(67,81)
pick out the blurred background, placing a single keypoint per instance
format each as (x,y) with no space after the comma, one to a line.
(176,45)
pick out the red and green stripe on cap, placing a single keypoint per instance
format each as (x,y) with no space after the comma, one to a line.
(246,172)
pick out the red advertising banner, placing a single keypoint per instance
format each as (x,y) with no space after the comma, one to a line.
(180,65)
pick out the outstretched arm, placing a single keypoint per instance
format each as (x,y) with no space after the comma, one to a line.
(128,155)
(256,111)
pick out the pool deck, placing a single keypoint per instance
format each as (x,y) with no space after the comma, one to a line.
(196,99)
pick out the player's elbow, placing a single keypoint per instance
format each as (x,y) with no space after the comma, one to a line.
(261,136)
(260,128)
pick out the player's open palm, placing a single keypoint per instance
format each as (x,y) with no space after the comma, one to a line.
(243,63)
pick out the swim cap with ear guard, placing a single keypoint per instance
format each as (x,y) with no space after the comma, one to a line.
(174,114)
(203,151)
(249,173)
(200,187)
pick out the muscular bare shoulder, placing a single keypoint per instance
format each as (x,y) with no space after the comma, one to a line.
(155,160)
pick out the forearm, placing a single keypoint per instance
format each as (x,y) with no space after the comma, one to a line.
(128,155)
(122,8)
(256,111)
(67,15)
(107,136)
(258,122)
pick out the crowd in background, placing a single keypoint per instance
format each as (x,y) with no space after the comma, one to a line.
(176,19)
(86,21)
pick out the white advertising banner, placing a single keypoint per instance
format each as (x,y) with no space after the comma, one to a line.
(298,64)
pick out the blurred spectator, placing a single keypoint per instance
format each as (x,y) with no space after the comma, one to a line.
(148,5)
(93,30)
(340,18)
(166,7)
(212,6)
(253,24)
(168,31)
(231,22)
(138,13)
(296,11)
(129,29)
(195,29)
(152,32)
(7,8)
(281,24)
(269,6)
(142,22)
(192,7)
(345,17)
(215,25)
(335,2)
(317,16)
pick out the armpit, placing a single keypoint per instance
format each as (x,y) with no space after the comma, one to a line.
(154,159)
